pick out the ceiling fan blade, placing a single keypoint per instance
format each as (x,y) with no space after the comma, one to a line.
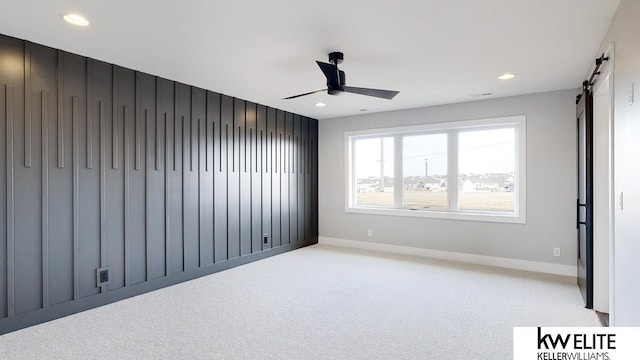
(330,71)
(385,94)
(299,95)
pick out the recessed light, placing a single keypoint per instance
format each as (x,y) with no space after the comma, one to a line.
(320,104)
(76,19)
(506,76)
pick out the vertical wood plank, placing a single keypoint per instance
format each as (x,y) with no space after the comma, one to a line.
(25,186)
(166,196)
(226,136)
(309,150)
(195,134)
(266,177)
(256,184)
(299,157)
(27,105)
(309,183)
(89,114)
(60,81)
(262,197)
(147,187)
(200,239)
(300,179)
(202,220)
(267,143)
(175,141)
(85,207)
(216,218)
(137,140)
(213,210)
(76,200)
(314,172)
(114,120)
(175,126)
(251,191)
(103,178)
(136,119)
(234,215)
(127,180)
(157,143)
(233,138)
(276,208)
(184,190)
(10,202)
(285,212)
(290,209)
(206,140)
(306,178)
(45,198)
(220,136)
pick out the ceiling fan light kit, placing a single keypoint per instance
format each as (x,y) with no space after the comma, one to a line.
(336,81)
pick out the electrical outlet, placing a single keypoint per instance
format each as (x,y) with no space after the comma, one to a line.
(370,233)
(265,238)
(556,252)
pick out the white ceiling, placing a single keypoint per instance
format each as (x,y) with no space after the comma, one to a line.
(432,51)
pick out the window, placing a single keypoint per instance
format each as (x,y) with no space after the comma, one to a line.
(468,170)
(486,169)
(374,174)
(424,171)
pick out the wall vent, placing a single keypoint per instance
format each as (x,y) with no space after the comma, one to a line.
(102,277)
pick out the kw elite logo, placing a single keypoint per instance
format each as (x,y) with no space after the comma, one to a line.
(578,343)
(578,346)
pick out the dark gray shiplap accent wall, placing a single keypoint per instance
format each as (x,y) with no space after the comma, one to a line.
(161,182)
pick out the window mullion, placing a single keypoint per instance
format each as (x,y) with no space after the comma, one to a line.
(452,170)
(397,171)
(351,173)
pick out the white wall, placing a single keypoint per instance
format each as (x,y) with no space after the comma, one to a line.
(551,184)
(624,32)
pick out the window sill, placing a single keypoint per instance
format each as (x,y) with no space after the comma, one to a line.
(510,218)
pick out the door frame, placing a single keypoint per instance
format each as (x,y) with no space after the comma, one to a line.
(605,79)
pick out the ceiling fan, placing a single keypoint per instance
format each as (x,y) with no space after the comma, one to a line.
(336,81)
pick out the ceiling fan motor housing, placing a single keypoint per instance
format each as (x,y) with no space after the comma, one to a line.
(336,57)
(336,87)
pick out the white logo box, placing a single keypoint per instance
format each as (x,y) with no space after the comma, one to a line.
(576,343)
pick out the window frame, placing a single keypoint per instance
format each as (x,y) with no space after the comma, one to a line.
(452,129)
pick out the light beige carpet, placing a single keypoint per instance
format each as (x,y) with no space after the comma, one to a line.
(318,302)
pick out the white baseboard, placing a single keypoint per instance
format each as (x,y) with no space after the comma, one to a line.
(540,267)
